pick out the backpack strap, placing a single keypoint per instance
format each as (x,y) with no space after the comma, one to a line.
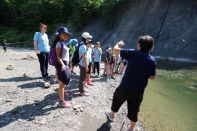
(82,54)
(61,49)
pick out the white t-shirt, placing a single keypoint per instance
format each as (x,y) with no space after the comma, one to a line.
(65,52)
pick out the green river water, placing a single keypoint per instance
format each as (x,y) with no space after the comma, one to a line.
(170,101)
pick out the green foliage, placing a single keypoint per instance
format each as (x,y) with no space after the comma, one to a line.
(4,12)
(25,15)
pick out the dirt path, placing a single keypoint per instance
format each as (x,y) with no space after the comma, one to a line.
(25,105)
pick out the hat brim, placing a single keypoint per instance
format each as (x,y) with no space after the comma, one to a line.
(63,32)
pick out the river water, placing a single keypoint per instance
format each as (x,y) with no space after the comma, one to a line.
(170,101)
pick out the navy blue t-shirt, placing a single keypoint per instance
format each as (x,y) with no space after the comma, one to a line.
(140,67)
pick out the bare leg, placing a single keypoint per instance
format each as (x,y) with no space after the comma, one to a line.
(132,126)
(72,68)
(61,91)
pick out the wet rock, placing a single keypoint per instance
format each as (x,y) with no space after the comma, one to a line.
(8,100)
(29,57)
(76,107)
(81,109)
(10,67)
(47,84)
(25,75)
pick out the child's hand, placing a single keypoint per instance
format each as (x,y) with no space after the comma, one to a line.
(63,68)
(121,43)
(37,52)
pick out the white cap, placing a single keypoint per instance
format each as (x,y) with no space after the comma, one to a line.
(86,35)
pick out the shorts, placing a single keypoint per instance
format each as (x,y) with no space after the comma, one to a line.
(63,76)
(133,103)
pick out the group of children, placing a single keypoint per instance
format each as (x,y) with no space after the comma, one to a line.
(114,64)
(140,68)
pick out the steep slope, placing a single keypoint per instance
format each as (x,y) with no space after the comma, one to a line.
(173,24)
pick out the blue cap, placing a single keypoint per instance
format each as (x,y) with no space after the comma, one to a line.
(75,41)
(62,30)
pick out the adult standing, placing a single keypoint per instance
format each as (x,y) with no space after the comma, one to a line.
(42,48)
(83,64)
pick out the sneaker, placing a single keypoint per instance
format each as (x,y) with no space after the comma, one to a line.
(46,78)
(90,83)
(64,104)
(93,75)
(113,77)
(135,128)
(84,94)
(108,79)
(109,116)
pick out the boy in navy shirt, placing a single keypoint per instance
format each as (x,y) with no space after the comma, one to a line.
(141,67)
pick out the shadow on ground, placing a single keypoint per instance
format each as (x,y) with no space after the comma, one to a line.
(28,112)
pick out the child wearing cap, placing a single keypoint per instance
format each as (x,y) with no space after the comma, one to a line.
(109,62)
(117,59)
(141,67)
(89,62)
(83,64)
(72,47)
(62,66)
(97,58)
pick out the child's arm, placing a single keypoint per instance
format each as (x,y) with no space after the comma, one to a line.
(117,48)
(59,59)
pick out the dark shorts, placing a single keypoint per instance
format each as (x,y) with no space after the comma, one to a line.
(133,103)
(63,76)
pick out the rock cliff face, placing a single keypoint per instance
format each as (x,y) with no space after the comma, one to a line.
(173,24)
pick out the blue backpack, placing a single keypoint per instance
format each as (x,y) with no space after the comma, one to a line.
(53,57)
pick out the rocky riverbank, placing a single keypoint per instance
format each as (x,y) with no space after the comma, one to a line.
(25,105)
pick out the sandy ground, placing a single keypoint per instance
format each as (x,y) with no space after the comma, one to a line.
(26,106)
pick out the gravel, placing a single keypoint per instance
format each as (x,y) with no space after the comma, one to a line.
(25,105)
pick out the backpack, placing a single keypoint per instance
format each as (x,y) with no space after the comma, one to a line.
(75,59)
(52,55)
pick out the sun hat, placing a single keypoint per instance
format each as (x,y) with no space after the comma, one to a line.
(62,30)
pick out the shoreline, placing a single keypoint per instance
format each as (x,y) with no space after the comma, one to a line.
(176,59)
